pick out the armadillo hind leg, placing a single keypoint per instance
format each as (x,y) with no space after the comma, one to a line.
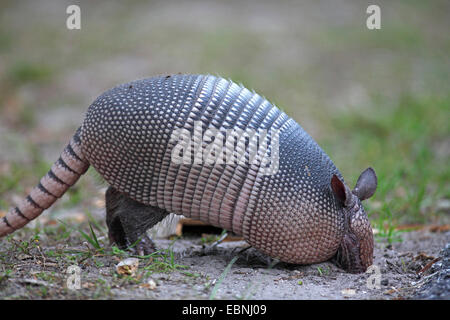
(128,220)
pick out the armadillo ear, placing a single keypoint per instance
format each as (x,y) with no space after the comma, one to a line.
(341,191)
(366,185)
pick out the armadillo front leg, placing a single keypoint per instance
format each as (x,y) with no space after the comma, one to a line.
(128,220)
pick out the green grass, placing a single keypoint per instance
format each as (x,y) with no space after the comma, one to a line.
(394,37)
(5,41)
(401,142)
(222,276)
(13,180)
(90,237)
(163,261)
(24,72)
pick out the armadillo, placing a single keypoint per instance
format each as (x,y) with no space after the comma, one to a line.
(293,206)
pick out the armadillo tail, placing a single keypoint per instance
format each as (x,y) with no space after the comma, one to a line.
(63,174)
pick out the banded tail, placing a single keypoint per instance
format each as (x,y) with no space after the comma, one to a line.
(63,174)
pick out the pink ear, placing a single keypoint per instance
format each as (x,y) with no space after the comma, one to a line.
(341,192)
(338,188)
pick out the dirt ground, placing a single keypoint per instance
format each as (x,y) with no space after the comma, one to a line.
(315,59)
(195,270)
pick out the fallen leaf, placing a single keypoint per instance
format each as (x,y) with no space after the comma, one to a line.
(428,265)
(391,291)
(422,256)
(51,222)
(24,256)
(443,228)
(128,266)
(410,227)
(431,228)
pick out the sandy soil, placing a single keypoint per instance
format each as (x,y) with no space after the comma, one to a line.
(303,56)
(252,276)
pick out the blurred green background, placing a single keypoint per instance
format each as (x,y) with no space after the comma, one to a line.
(375,98)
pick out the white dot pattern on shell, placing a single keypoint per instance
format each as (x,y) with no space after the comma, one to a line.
(291,215)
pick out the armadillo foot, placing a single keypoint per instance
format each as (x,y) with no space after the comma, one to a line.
(128,220)
(144,246)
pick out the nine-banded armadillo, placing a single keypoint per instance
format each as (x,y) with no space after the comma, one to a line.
(152,140)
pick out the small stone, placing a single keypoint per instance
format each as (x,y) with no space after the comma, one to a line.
(151,284)
(348,292)
(384,282)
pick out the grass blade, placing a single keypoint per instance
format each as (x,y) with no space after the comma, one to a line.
(221,277)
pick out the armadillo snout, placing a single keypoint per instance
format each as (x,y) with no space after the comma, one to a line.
(355,252)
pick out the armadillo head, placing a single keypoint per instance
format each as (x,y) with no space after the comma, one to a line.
(355,253)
